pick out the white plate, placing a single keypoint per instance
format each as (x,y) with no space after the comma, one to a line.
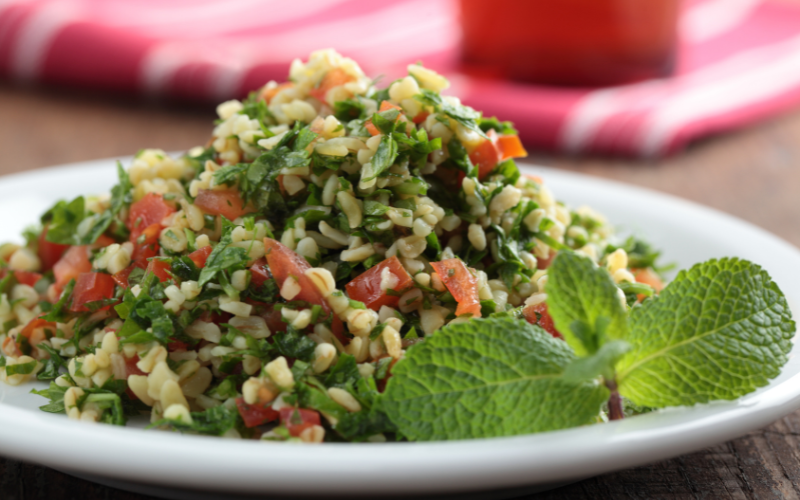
(688,233)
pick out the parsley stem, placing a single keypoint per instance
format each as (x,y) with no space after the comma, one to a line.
(614,401)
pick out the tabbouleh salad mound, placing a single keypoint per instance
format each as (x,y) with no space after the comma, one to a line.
(265,285)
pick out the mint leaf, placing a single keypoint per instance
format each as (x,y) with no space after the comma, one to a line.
(578,290)
(718,331)
(485,378)
(600,363)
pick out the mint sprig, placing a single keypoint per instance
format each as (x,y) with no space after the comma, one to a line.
(719,331)
(486,378)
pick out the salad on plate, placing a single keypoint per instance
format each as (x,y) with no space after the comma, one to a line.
(342,262)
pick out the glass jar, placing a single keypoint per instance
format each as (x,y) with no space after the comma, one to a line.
(570,42)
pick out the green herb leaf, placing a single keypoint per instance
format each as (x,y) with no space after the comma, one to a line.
(21,369)
(223,256)
(294,344)
(600,363)
(464,115)
(63,220)
(466,382)
(213,422)
(578,290)
(718,331)
(69,223)
(60,311)
(384,157)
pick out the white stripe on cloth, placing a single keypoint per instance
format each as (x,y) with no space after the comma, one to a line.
(418,28)
(201,19)
(713,18)
(764,82)
(29,50)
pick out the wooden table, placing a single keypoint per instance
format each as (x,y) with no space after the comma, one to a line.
(753,174)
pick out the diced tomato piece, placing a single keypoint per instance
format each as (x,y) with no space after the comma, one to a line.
(226,202)
(510,147)
(146,246)
(648,277)
(91,287)
(148,211)
(74,262)
(385,106)
(215,317)
(538,315)
(333,78)
(200,256)
(49,252)
(545,263)
(366,287)
(371,128)
(130,366)
(102,241)
(337,328)
(421,117)
(284,262)
(177,345)
(381,384)
(296,420)
(255,415)
(159,268)
(27,277)
(535,178)
(10,347)
(462,284)
(147,236)
(274,319)
(259,272)
(267,94)
(121,278)
(487,155)
(35,323)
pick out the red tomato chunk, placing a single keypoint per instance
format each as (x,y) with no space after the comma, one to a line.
(159,268)
(495,150)
(333,78)
(255,415)
(538,315)
(49,253)
(74,262)
(296,420)
(366,287)
(91,287)
(148,211)
(259,272)
(199,257)
(27,277)
(284,262)
(462,284)
(226,202)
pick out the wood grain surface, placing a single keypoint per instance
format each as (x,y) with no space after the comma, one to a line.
(752,173)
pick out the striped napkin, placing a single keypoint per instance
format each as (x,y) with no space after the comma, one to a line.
(739,61)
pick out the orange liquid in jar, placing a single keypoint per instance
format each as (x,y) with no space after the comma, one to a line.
(571,42)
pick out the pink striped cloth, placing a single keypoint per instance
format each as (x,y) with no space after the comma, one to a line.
(739,61)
